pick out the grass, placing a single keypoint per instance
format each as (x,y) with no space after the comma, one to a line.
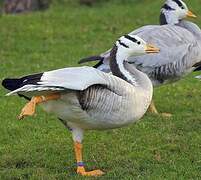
(41,148)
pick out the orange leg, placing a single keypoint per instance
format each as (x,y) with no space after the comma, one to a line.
(29,108)
(80,165)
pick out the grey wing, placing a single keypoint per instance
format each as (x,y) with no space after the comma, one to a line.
(179,51)
(78,78)
(192,27)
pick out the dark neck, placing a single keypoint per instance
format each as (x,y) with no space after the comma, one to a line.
(173,20)
(162,19)
(114,65)
(128,72)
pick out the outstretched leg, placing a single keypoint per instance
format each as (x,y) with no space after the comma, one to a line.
(152,109)
(77,135)
(29,108)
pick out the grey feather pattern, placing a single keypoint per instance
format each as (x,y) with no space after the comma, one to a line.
(180,49)
(78,78)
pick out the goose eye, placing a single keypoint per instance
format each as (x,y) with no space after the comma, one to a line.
(138,42)
(182,7)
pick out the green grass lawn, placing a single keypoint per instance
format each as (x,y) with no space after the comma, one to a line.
(41,148)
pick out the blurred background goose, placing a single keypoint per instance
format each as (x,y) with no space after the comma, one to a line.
(86,98)
(179,41)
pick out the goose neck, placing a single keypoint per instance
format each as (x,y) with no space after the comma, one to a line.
(117,65)
(167,17)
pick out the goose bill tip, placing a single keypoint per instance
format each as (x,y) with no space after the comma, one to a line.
(190,14)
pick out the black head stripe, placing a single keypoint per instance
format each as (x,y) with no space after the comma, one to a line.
(130,38)
(178,3)
(123,44)
(166,7)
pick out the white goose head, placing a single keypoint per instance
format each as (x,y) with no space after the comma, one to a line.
(174,11)
(131,45)
(125,47)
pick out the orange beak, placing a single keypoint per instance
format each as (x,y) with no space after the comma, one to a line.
(151,49)
(190,14)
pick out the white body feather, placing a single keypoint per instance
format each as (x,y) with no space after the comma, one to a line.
(131,109)
(115,105)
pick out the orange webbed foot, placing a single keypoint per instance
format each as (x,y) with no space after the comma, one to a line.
(28,110)
(81,171)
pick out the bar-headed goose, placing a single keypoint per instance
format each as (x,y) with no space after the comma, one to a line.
(179,41)
(86,98)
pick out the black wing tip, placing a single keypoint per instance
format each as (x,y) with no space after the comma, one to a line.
(13,84)
(91,58)
(10,84)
